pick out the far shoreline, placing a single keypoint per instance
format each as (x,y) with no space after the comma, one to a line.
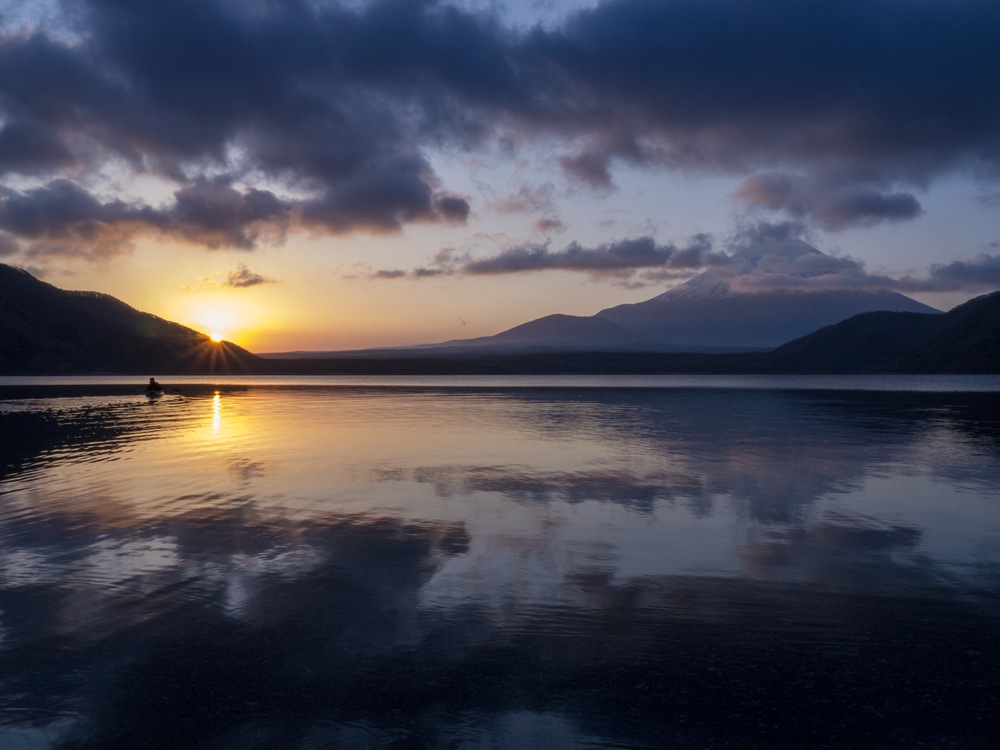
(42,387)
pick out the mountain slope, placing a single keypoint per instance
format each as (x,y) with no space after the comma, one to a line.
(736,307)
(761,320)
(866,342)
(557,332)
(963,340)
(967,339)
(44,329)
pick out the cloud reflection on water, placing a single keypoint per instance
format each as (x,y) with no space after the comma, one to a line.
(430,567)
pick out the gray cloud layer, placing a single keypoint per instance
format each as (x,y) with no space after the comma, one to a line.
(758,257)
(839,110)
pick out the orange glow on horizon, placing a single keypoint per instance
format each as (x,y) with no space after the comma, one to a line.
(220,317)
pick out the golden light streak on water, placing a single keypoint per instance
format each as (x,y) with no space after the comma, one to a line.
(216,413)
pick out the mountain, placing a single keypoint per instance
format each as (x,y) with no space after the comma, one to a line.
(711,312)
(45,330)
(48,330)
(559,332)
(964,340)
(967,339)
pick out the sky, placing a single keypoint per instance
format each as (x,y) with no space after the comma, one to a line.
(305,174)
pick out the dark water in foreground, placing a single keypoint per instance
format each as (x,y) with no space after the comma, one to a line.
(407,567)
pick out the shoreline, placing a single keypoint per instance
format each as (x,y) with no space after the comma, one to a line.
(81,386)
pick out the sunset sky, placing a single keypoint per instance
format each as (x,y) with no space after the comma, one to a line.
(304,174)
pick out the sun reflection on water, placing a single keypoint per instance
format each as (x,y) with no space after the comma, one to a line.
(216,414)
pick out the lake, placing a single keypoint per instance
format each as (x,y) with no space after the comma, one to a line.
(656,562)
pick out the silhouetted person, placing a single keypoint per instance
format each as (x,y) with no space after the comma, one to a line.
(154,387)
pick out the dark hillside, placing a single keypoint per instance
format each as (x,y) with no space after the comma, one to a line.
(44,329)
(864,343)
(963,340)
(967,339)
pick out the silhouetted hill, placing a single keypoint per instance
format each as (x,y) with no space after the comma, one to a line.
(865,342)
(966,339)
(46,330)
(963,340)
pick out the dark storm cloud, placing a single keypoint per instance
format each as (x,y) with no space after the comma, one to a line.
(217,215)
(62,217)
(338,106)
(310,97)
(31,148)
(891,85)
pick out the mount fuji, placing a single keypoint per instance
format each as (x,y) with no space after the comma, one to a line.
(761,299)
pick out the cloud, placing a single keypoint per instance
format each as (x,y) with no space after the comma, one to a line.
(549,224)
(758,256)
(8,244)
(832,206)
(773,255)
(526,200)
(325,116)
(243,277)
(978,274)
(63,217)
(617,260)
(736,84)
(291,92)
(589,167)
(392,273)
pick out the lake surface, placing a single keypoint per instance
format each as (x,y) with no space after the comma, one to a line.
(472,563)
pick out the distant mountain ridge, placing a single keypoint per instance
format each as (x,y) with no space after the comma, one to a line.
(706,313)
(46,330)
(964,340)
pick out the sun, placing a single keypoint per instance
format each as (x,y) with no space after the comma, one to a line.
(215,319)
(219,317)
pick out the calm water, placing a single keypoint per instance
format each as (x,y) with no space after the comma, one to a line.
(560,564)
